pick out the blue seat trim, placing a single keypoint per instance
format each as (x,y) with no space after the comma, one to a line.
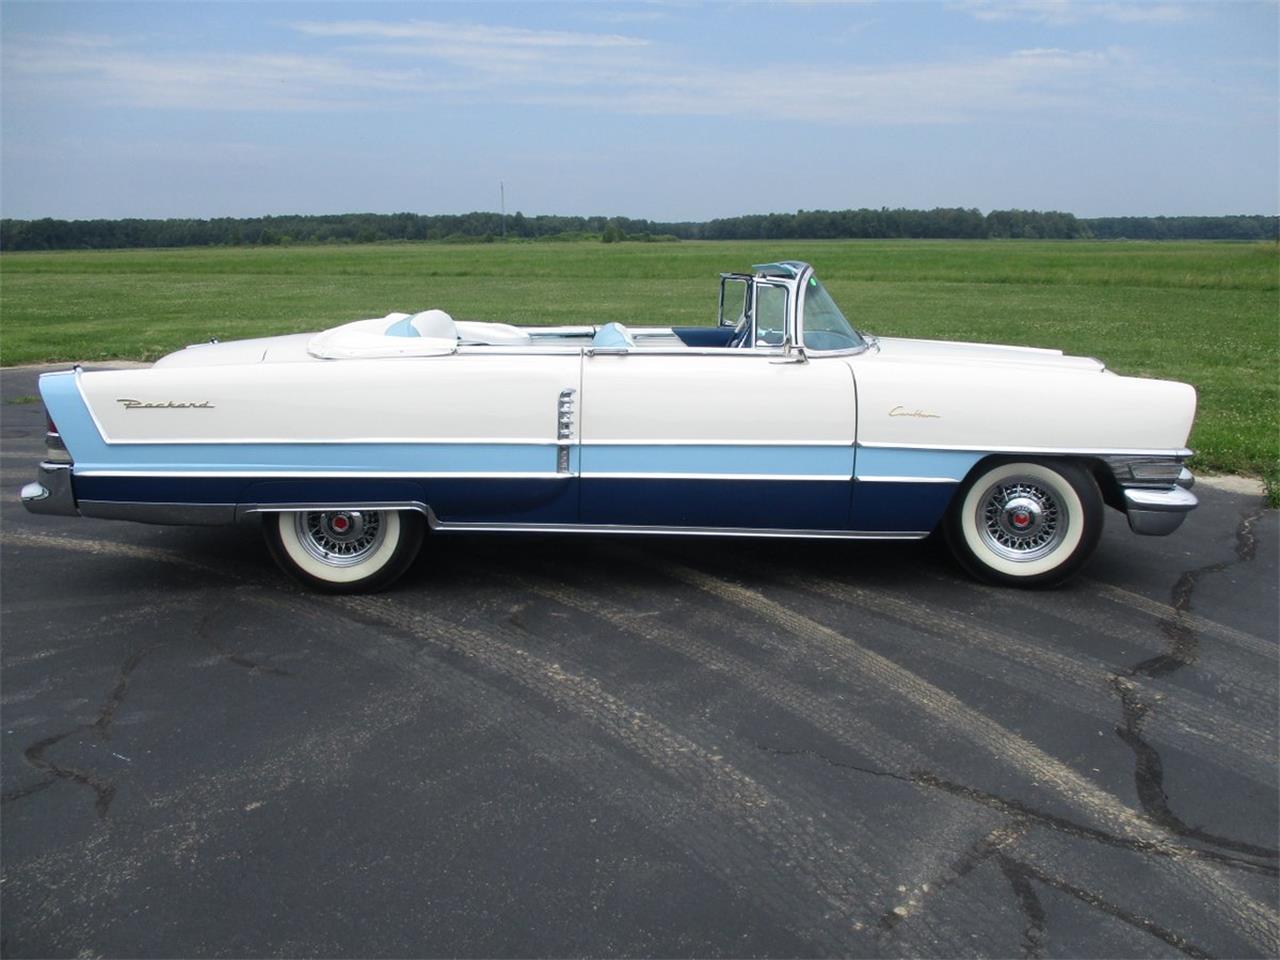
(403,328)
(613,335)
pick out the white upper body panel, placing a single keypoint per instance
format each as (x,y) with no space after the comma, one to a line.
(972,403)
(468,398)
(738,396)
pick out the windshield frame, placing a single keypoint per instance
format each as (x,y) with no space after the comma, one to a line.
(802,287)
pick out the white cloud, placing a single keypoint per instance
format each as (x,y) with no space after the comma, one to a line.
(464,33)
(399,67)
(1067,12)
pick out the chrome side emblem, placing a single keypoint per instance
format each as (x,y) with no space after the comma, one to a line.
(564,414)
(164,404)
(564,428)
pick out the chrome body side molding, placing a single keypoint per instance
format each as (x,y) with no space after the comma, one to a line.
(440,526)
(245,510)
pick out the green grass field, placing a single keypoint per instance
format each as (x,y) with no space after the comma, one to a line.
(1206,313)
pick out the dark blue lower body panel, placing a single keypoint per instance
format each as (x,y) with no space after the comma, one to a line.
(900,506)
(763,504)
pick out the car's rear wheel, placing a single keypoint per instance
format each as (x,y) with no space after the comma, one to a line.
(345,551)
(1025,523)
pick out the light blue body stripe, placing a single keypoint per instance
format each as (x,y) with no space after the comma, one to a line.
(904,462)
(718,460)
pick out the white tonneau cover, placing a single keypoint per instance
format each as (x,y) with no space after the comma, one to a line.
(431,333)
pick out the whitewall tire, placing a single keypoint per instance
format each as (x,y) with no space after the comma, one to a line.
(1025,523)
(344,551)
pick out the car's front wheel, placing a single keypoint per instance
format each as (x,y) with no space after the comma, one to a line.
(1025,523)
(345,551)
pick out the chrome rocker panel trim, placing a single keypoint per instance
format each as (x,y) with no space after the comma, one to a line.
(440,526)
(51,492)
(245,510)
(1158,513)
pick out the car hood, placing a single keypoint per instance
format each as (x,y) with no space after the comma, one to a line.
(981,354)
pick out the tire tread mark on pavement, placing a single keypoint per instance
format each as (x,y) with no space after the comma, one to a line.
(1178,609)
(667,808)
(1193,715)
(1018,873)
(1228,669)
(1257,920)
(796,840)
(155,555)
(834,720)
(1025,812)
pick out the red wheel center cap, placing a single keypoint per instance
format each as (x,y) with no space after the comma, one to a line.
(341,523)
(1021,518)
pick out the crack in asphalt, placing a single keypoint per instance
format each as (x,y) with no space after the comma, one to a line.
(103,787)
(923,778)
(1183,651)
(1020,874)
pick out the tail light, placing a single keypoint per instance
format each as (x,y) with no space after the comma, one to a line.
(55,451)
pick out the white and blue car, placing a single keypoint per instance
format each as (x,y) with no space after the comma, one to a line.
(780,421)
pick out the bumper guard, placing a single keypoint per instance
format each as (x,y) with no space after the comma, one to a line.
(1158,512)
(51,492)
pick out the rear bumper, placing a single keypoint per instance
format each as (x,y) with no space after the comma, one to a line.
(1158,512)
(51,492)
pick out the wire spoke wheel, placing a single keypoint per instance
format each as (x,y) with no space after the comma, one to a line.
(1025,523)
(1021,520)
(345,549)
(340,538)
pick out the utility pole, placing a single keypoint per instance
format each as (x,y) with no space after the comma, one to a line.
(502,192)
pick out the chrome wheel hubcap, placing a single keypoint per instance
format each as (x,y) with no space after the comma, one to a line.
(340,538)
(1020,519)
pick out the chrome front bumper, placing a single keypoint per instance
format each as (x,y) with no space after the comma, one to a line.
(51,492)
(1158,512)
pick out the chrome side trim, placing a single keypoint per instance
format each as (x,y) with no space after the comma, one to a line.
(741,442)
(607,475)
(324,474)
(469,527)
(1158,513)
(906,479)
(51,493)
(1179,454)
(465,475)
(172,514)
(245,510)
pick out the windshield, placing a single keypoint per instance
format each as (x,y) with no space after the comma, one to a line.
(825,327)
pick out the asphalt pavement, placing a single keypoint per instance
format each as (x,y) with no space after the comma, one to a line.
(587,746)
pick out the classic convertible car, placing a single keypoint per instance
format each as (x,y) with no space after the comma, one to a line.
(780,421)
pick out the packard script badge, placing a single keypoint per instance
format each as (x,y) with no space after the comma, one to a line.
(164,404)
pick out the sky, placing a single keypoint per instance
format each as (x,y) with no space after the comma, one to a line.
(662,110)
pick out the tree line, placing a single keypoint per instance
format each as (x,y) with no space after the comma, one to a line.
(884,223)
